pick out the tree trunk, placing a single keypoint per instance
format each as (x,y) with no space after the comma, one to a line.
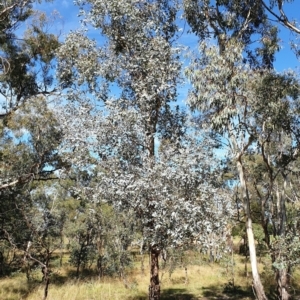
(282,279)
(46,275)
(186,276)
(282,275)
(79,259)
(142,258)
(257,285)
(154,288)
(46,279)
(211,255)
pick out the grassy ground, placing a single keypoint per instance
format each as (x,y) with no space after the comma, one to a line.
(204,281)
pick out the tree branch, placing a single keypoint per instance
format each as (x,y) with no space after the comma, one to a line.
(282,19)
(3,115)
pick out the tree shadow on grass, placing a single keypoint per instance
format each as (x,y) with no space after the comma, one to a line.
(169,294)
(176,294)
(24,290)
(229,292)
(58,279)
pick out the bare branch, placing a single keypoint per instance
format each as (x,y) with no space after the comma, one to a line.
(282,19)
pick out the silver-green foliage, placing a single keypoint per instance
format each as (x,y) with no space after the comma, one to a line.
(142,165)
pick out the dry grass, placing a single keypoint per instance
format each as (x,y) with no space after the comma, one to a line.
(205,281)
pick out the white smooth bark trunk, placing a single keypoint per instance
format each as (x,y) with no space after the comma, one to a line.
(257,285)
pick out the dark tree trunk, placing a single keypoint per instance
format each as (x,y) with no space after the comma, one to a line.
(154,288)
(46,280)
(46,275)
(79,260)
(186,276)
(100,267)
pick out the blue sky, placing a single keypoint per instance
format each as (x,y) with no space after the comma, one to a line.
(285,58)
(69,20)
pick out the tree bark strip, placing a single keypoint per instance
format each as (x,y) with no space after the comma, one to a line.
(154,288)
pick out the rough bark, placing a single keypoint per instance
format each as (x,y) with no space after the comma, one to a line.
(154,288)
(282,279)
(46,279)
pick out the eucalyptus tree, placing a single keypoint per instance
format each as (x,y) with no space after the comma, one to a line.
(29,133)
(177,197)
(28,145)
(26,62)
(174,197)
(243,21)
(249,107)
(29,157)
(26,52)
(139,58)
(224,80)
(273,172)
